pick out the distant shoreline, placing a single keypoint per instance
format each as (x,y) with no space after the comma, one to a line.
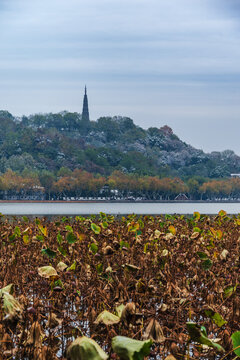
(120,201)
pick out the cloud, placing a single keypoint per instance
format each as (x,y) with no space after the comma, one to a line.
(158,61)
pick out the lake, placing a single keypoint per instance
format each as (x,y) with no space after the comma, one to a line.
(87,208)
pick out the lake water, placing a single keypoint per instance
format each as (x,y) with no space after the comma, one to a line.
(116,208)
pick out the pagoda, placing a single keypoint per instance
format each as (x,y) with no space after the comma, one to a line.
(85,112)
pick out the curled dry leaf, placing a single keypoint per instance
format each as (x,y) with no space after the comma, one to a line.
(195,235)
(163,307)
(128,312)
(224,254)
(165,252)
(35,335)
(53,321)
(108,250)
(168,236)
(6,342)
(131,267)
(109,269)
(154,332)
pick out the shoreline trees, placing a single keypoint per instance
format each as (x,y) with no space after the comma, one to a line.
(83,184)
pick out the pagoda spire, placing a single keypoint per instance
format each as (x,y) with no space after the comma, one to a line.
(85,111)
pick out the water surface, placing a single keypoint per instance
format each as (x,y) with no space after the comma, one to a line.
(116,208)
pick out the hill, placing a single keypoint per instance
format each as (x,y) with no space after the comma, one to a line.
(50,142)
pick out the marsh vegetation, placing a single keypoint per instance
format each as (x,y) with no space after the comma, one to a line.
(163,287)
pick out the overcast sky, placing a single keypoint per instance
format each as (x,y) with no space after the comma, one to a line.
(174,62)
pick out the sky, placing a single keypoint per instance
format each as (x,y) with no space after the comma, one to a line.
(174,62)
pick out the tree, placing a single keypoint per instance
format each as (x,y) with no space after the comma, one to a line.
(47,180)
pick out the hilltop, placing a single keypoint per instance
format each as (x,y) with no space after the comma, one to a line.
(54,141)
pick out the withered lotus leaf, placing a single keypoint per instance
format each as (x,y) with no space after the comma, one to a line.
(148,276)
(168,236)
(11,306)
(84,348)
(119,309)
(7,289)
(47,272)
(107,318)
(61,266)
(157,234)
(131,349)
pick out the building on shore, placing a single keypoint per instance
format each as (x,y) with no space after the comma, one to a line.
(181,197)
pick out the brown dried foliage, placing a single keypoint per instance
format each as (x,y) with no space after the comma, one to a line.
(160,278)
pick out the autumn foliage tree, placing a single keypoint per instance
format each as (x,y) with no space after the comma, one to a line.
(81,183)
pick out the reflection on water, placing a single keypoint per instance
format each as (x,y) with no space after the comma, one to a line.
(115,208)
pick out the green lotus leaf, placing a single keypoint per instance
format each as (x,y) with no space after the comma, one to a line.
(71,238)
(215,317)
(130,349)
(49,253)
(84,348)
(198,334)
(207,264)
(202,255)
(236,342)
(72,267)
(95,228)
(94,248)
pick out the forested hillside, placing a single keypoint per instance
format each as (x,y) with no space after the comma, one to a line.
(50,148)
(52,141)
